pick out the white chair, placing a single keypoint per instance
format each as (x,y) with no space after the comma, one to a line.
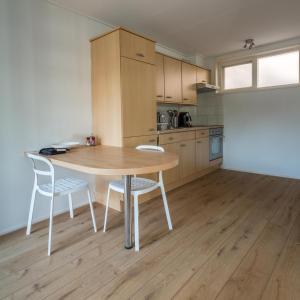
(60,187)
(140,186)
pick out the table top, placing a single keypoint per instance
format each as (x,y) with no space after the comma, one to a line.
(108,160)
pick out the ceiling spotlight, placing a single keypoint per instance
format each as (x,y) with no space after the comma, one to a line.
(249,43)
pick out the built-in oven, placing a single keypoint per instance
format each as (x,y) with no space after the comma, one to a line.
(215,143)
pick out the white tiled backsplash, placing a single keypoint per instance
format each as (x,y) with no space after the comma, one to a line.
(209,109)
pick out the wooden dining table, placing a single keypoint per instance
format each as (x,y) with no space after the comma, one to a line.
(108,160)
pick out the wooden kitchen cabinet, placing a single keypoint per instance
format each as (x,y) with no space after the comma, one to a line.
(172,71)
(139,108)
(171,175)
(176,80)
(133,142)
(123,86)
(192,147)
(182,143)
(202,133)
(202,153)
(203,75)
(159,77)
(189,80)
(186,158)
(137,47)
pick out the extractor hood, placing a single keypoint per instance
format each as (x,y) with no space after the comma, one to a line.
(204,87)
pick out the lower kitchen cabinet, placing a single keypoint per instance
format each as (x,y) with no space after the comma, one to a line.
(133,142)
(171,175)
(187,158)
(192,147)
(202,154)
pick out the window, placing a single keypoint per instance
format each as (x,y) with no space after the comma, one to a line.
(278,69)
(261,70)
(238,76)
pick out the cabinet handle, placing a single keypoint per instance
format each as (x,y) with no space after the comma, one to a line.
(140,54)
(159,96)
(182,145)
(169,97)
(199,142)
(151,141)
(185,99)
(204,81)
(171,138)
(151,129)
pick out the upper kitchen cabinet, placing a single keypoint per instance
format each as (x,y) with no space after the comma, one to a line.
(176,80)
(172,71)
(189,80)
(123,86)
(160,77)
(203,75)
(137,47)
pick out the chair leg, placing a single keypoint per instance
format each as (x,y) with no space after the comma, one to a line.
(50,225)
(71,206)
(106,210)
(164,197)
(92,210)
(136,224)
(28,231)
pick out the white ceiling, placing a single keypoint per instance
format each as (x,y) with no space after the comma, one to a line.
(209,27)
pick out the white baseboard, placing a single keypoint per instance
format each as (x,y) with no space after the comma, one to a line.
(260,173)
(36,220)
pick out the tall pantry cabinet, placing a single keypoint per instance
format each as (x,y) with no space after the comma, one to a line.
(123,86)
(123,92)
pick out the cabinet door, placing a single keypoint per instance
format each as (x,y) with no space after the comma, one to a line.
(160,77)
(203,75)
(171,175)
(187,158)
(133,142)
(137,47)
(172,69)
(202,154)
(138,98)
(189,79)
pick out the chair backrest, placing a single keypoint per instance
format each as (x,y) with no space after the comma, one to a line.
(150,147)
(48,171)
(153,148)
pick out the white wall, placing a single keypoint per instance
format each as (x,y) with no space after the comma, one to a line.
(45,95)
(262,126)
(262,131)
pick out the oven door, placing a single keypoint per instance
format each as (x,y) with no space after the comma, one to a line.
(215,147)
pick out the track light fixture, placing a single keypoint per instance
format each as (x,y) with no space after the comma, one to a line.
(249,43)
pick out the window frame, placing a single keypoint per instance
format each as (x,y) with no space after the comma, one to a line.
(221,64)
(237,63)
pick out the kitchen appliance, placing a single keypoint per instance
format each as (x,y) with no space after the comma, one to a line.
(162,121)
(184,119)
(173,118)
(204,87)
(215,143)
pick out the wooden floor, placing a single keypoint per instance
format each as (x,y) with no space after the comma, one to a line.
(236,236)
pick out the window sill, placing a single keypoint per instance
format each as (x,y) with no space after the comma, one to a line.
(255,89)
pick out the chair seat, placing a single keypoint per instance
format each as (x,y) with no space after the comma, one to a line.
(64,186)
(138,184)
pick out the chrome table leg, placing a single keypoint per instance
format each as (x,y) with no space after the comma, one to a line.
(127,212)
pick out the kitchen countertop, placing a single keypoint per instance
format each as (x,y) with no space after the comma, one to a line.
(181,129)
